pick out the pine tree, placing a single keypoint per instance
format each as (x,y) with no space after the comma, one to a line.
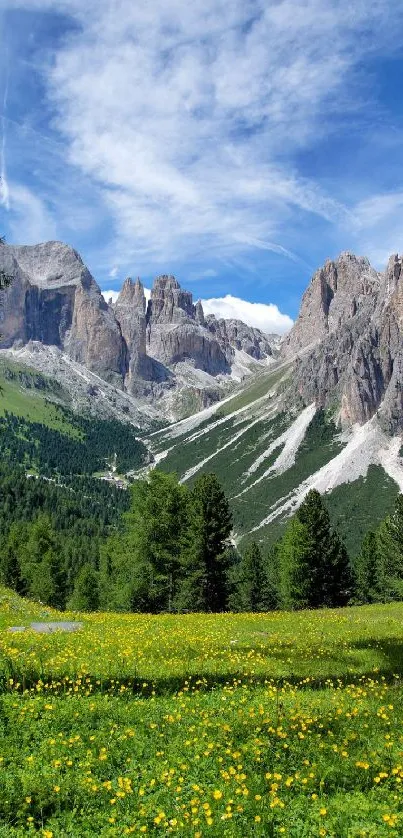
(329,569)
(85,596)
(294,553)
(250,582)
(368,571)
(389,539)
(272,584)
(140,566)
(207,560)
(10,561)
(42,566)
(313,562)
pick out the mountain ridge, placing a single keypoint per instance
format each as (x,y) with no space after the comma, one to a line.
(163,353)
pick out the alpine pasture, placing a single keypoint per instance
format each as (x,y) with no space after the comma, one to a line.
(202,725)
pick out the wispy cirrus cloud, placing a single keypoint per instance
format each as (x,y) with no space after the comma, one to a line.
(192,120)
(184,113)
(31,221)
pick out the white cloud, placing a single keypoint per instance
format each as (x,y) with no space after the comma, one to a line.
(188,114)
(264,316)
(30,221)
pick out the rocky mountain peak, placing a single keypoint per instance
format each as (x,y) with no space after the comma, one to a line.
(55,300)
(132,295)
(393,274)
(169,303)
(349,341)
(50,264)
(337,292)
(149,350)
(199,314)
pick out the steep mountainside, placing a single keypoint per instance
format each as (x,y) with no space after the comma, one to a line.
(328,416)
(166,353)
(349,338)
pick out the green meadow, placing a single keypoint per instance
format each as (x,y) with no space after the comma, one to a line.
(202,725)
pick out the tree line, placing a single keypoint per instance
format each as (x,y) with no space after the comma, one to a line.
(49,532)
(173,552)
(166,547)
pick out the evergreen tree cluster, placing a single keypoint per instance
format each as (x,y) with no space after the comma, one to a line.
(173,552)
(162,546)
(379,565)
(51,452)
(50,532)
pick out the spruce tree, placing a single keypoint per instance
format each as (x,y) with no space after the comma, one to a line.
(207,559)
(272,581)
(10,561)
(294,556)
(329,570)
(42,564)
(368,572)
(313,562)
(140,566)
(250,592)
(389,539)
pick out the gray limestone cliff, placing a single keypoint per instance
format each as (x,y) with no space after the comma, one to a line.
(338,291)
(175,330)
(348,341)
(148,350)
(54,299)
(130,312)
(236,335)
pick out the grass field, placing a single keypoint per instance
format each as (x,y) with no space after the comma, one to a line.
(203,725)
(31,395)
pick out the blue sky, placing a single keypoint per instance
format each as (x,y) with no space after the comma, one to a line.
(235,144)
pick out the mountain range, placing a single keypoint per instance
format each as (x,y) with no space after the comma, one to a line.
(166,353)
(323,408)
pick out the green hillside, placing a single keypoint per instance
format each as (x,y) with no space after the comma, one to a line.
(264,454)
(30,394)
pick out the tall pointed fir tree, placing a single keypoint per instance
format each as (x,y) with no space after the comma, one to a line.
(207,558)
(140,566)
(329,570)
(250,582)
(389,541)
(368,572)
(314,566)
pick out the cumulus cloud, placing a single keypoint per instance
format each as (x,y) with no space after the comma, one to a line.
(264,316)
(189,115)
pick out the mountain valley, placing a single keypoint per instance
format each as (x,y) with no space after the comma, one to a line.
(322,409)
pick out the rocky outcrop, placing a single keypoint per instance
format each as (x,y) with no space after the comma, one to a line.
(235,335)
(54,299)
(130,312)
(175,330)
(338,292)
(353,358)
